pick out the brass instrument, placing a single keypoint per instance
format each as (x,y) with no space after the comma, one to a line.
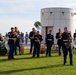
(37,40)
(14,40)
(69,41)
(32,37)
(60,35)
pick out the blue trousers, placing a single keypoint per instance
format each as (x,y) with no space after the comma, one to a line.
(11,52)
(31,46)
(65,52)
(59,49)
(15,48)
(36,50)
(48,51)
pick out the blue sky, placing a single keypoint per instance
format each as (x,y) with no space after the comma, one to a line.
(23,13)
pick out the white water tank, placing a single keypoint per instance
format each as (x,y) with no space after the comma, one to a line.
(55,18)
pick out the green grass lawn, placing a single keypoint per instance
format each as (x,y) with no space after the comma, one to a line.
(25,65)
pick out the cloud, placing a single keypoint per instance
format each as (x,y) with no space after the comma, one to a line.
(15,6)
(72,4)
(22,6)
(23,13)
(10,1)
(8,22)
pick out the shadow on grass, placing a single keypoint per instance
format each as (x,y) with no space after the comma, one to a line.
(25,58)
(25,54)
(29,69)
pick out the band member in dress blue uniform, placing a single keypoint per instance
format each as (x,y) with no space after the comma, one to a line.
(66,45)
(74,35)
(1,38)
(49,42)
(37,43)
(26,38)
(59,41)
(31,37)
(74,40)
(11,43)
(17,44)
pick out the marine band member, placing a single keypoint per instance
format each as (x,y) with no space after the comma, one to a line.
(37,43)
(65,37)
(11,42)
(74,35)
(49,42)
(59,40)
(31,37)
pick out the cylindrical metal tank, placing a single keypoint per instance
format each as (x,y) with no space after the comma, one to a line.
(55,18)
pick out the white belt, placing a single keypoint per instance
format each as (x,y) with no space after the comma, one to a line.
(59,38)
(65,40)
(49,39)
(11,38)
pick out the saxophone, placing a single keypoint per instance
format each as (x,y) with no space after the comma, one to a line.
(38,41)
(60,35)
(68,43)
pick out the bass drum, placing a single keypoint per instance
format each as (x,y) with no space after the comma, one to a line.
(22,48)
(74,43)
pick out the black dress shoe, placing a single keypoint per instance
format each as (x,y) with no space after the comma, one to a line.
(59,54)
(64,64)
(12,58)
(33,56)
(37,56)
(50,55)
(9,58)
(71,64)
